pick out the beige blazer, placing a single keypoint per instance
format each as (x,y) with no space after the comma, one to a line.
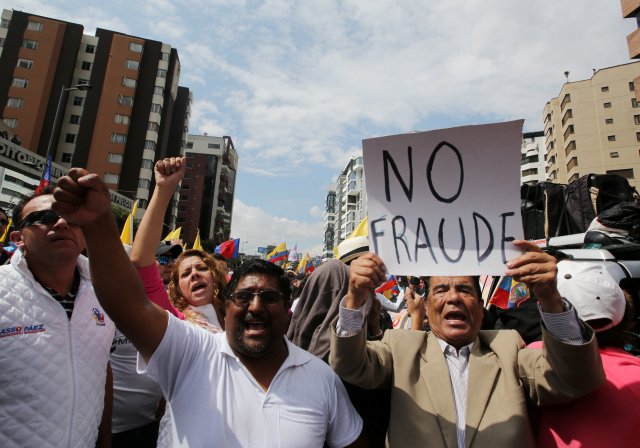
(504,377)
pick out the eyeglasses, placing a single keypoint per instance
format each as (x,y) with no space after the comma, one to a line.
(243,297)
(164,260)
(46,217)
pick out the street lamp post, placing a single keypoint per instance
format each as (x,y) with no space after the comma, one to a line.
(55,131)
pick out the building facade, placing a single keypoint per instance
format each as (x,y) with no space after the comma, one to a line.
(593,126)
(109,103)
(206,195)
(631,10)
(532,163)
(345,205)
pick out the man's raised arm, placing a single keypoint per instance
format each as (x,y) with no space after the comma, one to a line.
(83,199)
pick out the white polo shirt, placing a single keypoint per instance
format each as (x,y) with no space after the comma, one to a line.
(215,401)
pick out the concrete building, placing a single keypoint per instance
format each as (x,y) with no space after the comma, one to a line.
(133,115)
(593,126)
(206,196)
(631,10)
(345,206)
(532,165)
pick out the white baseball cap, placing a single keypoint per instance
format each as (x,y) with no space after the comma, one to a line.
(592,290)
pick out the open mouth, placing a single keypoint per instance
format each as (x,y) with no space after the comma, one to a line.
(198,287)
(455,317)
(255,327)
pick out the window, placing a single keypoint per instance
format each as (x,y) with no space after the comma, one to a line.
(118,138)
(132,65)
(611,138)
(83,81)
(189,145)
(70,138)
(572,163)
(125,100)
(111,178)
(22,83)
(164,56)
(143,203)
(567,115)
(607,105)
(114,158)
(572,178)
(609,121)
(638,136)
(66,157)
(161,73)
(565,100)
(25,63)
(627,173)
(11,122)
(156,108)
(15,102)
(636,119)
(604,88)
(74,119)
(78,100)
(634,102)
(129,82)
(631,86)
(90,48)
(86,65)
(214,145)
(144,183)
(150,144)
(153,126)
(4,23)
(34,26)
(613,155)
(570,130)
(135,47)
(148,164)
(30,44)
(121,119)
(530,172)
(158,90)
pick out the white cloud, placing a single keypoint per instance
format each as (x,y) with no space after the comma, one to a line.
(315,211)
(256,227)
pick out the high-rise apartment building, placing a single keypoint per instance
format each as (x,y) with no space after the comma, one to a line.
(133,114)
(532,163)
(346,205)
(593,126)
(207,192)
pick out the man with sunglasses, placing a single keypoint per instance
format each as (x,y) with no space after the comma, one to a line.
(246,387)
(54,335)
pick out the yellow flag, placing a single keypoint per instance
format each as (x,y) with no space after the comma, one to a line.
(196,243)
(126,237)
(173,235)
(362,229)
(3,238)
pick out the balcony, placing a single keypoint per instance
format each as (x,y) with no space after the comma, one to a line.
(633,42)
(629,8)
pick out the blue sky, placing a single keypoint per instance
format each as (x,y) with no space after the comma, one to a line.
(299,84)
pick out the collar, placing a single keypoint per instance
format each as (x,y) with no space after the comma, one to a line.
(296,357)
(446,347)
(209,313)
(19,263)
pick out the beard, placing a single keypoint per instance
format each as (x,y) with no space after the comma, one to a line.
(252,347)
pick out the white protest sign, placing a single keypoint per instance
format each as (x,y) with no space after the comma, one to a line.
(445,202)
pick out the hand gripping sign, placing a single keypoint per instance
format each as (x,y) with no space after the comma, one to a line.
(445,202)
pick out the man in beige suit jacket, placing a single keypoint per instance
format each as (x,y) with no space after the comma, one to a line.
(458,386)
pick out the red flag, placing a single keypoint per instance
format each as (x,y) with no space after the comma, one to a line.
(46,176)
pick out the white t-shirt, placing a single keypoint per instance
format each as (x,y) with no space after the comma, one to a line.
(135,397)
(215,401)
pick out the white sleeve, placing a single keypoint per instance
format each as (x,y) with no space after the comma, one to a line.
(181,345)
(345,425)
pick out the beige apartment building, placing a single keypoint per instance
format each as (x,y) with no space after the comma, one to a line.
(593,126)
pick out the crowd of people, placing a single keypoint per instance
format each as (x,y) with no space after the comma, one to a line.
(104,344)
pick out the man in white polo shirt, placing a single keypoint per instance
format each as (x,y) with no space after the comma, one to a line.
(246,387)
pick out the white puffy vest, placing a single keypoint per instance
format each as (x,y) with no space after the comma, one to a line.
(52,369)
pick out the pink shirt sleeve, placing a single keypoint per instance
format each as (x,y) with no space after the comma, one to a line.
(154,288)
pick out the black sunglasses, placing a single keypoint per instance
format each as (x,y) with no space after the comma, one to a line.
(243,297)
(46,217)
(163,260)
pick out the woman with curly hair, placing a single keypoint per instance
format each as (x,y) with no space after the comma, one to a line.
(197,289)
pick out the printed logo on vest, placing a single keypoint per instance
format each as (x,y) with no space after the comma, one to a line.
(18,330)
(98,317)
